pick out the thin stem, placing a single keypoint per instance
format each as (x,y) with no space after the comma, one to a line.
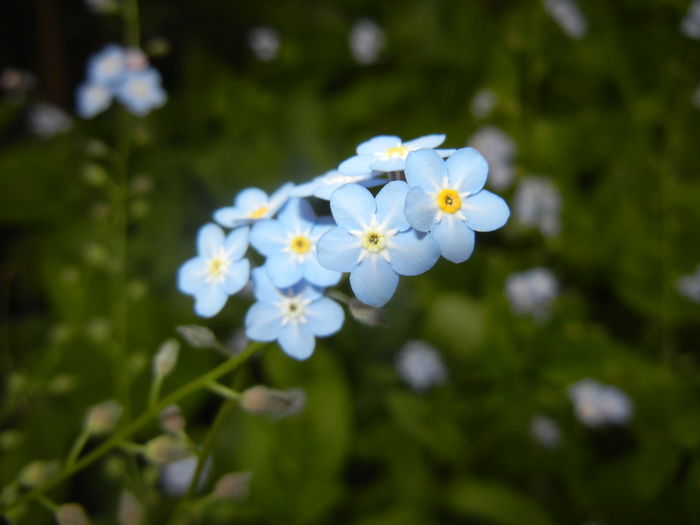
(224,391)
(77,447)
(155,389)
(132,35)
(138,423)
(46,502)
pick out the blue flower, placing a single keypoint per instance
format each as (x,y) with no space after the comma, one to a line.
(387,153)
(108,66)
(324,185)
(596,404)
(251,205)
(92,99)
(289,243)
(374,242)
(141,91)
(293,317)
(218,270)
(447,198)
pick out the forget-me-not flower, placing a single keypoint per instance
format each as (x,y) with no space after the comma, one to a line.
(141,91)
(689,285)
(251,205)
(538,204)
(374,242)
(388,153)
(289,243)
(324,185)
(498,149)
(218,270)
(596,404)
(293,317)
(366,40)
(420,365)
(531,292)
(447,198)
(92,99)
(107,67)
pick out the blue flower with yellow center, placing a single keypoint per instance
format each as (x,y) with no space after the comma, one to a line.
(252,205)
(447,198)
(374,242)
(218,270)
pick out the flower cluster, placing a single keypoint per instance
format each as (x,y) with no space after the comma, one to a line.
(427,207)
(121,73)
(597,405)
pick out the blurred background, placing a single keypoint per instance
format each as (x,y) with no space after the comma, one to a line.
(552,378)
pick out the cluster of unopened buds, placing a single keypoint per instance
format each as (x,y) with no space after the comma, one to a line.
(430,204)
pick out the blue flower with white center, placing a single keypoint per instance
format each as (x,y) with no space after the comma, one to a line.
(251,205)
(374,242)
(596,404)
(108,66)
(447,199)
(294,316)
(387,153)
(141,91)
(289,243)
(324,185)
(218,270)
(92,99)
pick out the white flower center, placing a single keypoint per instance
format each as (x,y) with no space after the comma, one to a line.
(293,309)
(217,266)
(374,239)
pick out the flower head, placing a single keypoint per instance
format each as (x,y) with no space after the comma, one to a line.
(251,205)
(366,40)
(567,14)
(293,317)
(531,292)
(420,365)
(447,198)
(265,43)
(108,66)
(498,149)
(47,120)
(218,270)
(324,185)
(141,91)
(596,404)
(538,204)
(388,153)
(92,99)
(689,285)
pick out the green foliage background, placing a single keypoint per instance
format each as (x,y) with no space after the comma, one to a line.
(609,118)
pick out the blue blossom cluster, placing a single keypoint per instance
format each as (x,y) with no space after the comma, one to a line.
(123,74)
(597,405)
(430,204)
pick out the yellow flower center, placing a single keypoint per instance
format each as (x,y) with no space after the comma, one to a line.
(260,212)
(374,241)
(449,201)
(399,151)
(217,266)
(300,244)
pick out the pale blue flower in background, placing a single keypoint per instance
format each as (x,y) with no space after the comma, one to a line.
(531,292)
(374,242)
(46,120)
(219,269)
(251,205)
(420,366)
(324,185)
(366,40)
(545,431)
(294,316)
(690,25)
(176,476)
(498,149)
(141,91)
(596,404)
(107,67)
(92,99)
(447,199)
(537,203)
(689,285)
(483,103)
(567,14)
(289,243)
(388,153)
(264,41)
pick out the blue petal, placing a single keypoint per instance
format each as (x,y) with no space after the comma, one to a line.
(209,300)
(284,270)
(263,322)
(325,317)
(237,243)
(357,165)
(391,200)
(386,165)
(445,152)
(296,341)
(377,144)
(467,170)
(209,239)
(455,240)
(231,217)
(190,275)
(306,189)
(413,253)
(421,209)
(352,206)
(338,250)
(238,278)
(263,287)
(427,141)
(268,237)
(250,199)
(425,168)
(296,214)
(318,275)
(485,211)
(373,281)
(307,291)
(278,198)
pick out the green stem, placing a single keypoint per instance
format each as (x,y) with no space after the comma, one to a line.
(77,447)
(155,389)
(224,391)
(135,425)
(46,502)
(132,35)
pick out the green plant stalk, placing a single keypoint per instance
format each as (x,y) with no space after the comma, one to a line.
(77,446)
(126,432)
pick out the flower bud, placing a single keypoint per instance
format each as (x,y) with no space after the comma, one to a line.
(94,174)
(131,511)
(10,439)
(276,403)
(234,486)
(366,314)
(61,384)
(37,472)
(102,418)
(71,514)
(166,448)
(172,420)
(197,336)
(166,358)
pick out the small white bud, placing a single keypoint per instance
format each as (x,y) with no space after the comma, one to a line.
(366,314)
(72,514)
(234,486)
(166,358)
(94,174)
(131,511)
(102,418)
(172,419)
(276,403)
(37,472)
(165,449)
(197,336)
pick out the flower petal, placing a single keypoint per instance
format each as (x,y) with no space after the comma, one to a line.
(263,322)
(263,287)
(238,277)
(209,300)
(231,217)
(250,199)
(190,275)
(485,211)
(390,205)
(374,281)
(338,250)
(467,170)
(284,270)
(377,144)
(237,243)
(455,239)
(278,198)
(297,341)
(386,165)
(325,317)
(352,206)
(413,252)
(426,141)
(318,275)
(420,209)
(296,214)
(268,237)
(426,169)
(209,239)
(357,165)
(444,153)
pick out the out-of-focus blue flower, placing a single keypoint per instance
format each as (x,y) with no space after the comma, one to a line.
(447,198)
(265,42)
(690,25)
(537,203)
(141,91)
(567,14)
(545,431)
(689,285)
(366,40)
(251,205)
(289,243)
(531,292)
(498,149)
(176,476)
(324,185)
(483,103)
(107,67)
(374,242)
(387,153)
(47,120)
(293,317)
(596,404)
(92,99)
(218,270)
(420,365)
